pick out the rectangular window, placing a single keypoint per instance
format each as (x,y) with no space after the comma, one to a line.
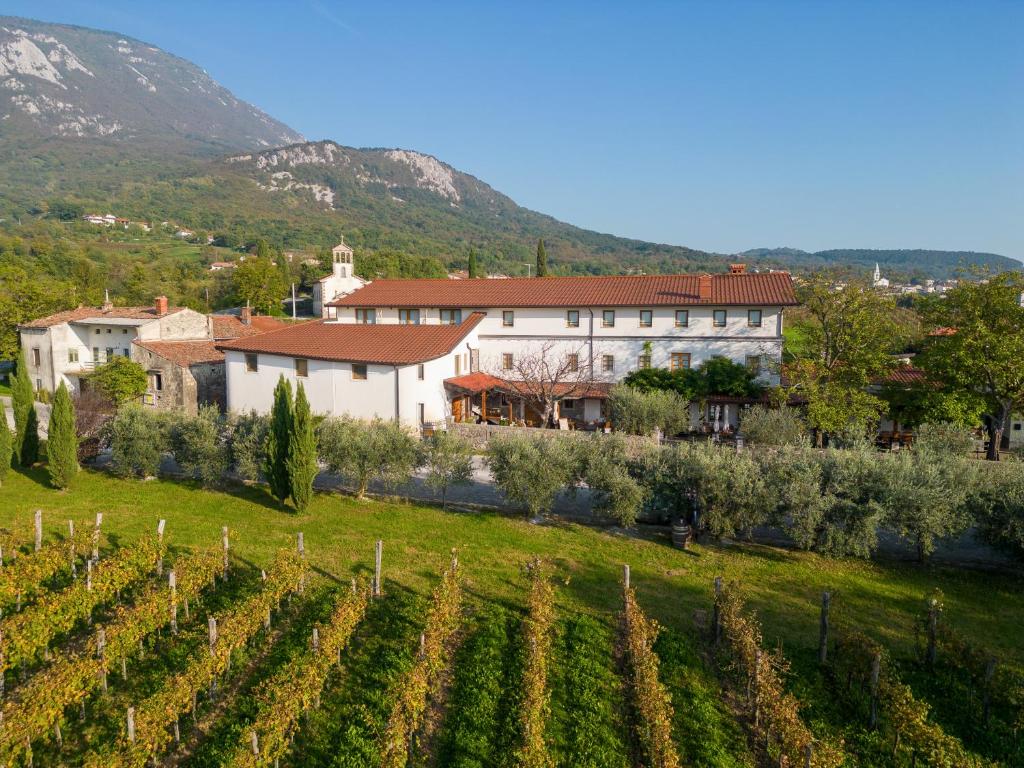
(96,355)
(110,353)
(251,362)
(644,361)
(646,318)
(72,355)
(572,318)
(108,330)
(682,318)
(568,404)
(422,408)
(506,361)
(754,363)
(679,361)
(126,352)
(719,318)
(366,316)
(156,381)
(458,365)
(359,371)
(451,316)
(332,313)
(36,357)
(608,363)
(409,317)
(608,318)
(39,385)
(753,318)
(125,331)
(99,330)
(420,372)
(301,367)
(508,318)
(573,362)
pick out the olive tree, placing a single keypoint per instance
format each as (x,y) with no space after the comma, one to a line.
(531,470)
(362,452)
(603,465)
(200,445)
(996,503)
(448,460)
(138,438)
(639,412)
(248,438)
(773,426)
(793,475)
(855,482)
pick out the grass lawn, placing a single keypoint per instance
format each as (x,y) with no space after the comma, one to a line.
(784,586)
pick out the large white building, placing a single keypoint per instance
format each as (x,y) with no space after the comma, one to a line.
(419,350)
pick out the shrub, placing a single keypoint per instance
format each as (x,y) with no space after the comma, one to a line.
(669,479)
(248,438)
(531,471)
(121,380)
(138,438)
(362,452)
(62,445)
(733,495)
(639,413)
(448,461)
(944,440)
(793,475)
(6,446)
(773,426)
(199,445)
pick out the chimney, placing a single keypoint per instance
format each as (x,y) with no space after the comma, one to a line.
(704,287)
(161,305)
(737,269)
(107,303)
(246,316)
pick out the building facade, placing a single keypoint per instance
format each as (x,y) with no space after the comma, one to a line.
(605,327)
(341,282)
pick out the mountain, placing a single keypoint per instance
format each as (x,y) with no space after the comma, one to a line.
(904,263)
(73,82)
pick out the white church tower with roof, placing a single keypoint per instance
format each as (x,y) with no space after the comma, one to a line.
(877,280)
(341,282)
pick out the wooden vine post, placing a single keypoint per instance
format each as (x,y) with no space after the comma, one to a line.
(96,537)
(933,626)
(39,529)
(716,616)
(378,556)
(876,670)
(990,671)
(160,548)
(131,724)
(753,694)
(625,577)
(71,548)
(101,652)
(227,545)
(172,584)
(826,603)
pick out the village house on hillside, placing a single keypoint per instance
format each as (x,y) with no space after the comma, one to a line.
(422,351)
(175,345)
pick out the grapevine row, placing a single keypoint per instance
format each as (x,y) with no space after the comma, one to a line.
(27,634)
(40,704)
(534,706)
(651,703)
(906,716)
(411,697)
(297,687)
(148,732)
(26,575)
(773,712)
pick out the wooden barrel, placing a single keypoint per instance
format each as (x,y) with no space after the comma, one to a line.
(680,535)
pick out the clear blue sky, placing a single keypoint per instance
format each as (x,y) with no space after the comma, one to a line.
(720,125)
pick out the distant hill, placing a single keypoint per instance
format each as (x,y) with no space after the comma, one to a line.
(904,263)
(72,82)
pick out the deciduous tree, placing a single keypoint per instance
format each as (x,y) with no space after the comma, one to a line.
(448,461)
(62,445)
(362,452)
(120,379)
(259,283)
(977,346)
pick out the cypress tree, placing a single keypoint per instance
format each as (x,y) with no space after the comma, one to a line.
(62,448)
(302,461)
(474,270)
(30,441)
(22,402)
(542,259)
(278,446)
(6,445)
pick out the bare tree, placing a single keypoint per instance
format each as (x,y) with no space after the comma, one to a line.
(93,410)
(546,374)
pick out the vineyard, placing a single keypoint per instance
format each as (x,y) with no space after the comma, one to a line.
(127,649)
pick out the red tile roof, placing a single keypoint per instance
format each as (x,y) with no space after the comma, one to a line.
(231,327)
(766,289)
(356,343)
(184,353)
(905,374)
(87,313)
